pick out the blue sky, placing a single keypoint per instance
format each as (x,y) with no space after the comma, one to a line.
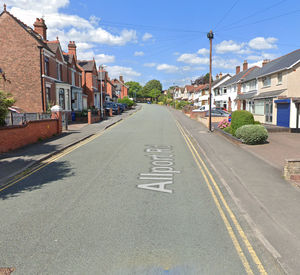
(166,40)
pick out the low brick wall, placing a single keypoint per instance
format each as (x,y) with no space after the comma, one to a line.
(292,169)
(93,118)
(205,120)
(14,137)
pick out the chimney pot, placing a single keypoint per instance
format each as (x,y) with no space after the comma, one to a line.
(245,65)
(72,49)
(237,69)
(41,28)
(266,61)
(220,75)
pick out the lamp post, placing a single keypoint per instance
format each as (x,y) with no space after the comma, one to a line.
(210,36)
(101,94)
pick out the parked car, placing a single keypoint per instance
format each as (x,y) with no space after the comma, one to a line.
(217,113)
(202,108)
(122,107)
(113,106)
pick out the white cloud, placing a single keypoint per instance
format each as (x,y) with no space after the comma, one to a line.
(229,46)
(127,72)
(222,63)
(150,65)
(203,51)
(261,43)
(82,30)
(147,36)
(167,68)
(139,53)
(94,20)
(103,58)
(192,58)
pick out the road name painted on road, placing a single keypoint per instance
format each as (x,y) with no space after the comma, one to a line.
(162,170)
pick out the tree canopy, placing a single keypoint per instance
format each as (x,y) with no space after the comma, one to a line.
(5,101)
(135,89)
(150,86)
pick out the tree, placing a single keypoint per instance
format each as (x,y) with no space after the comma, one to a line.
(135,89)
(204,79)
(151,85)
(154,94)
(6,101)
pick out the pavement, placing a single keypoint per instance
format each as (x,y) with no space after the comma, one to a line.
(17,161)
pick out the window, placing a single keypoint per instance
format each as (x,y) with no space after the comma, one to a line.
(259,107)
(46,65)
(225,90)
(266,81)
(279,78)
(62,98)
(59,71)
(73,78)
(48,97)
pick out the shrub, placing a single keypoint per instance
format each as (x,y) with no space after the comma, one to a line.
(228,130)
(127,101)
(160,103)
(252,134)
(257,122)
(239,119)
(6,101)
(223,124)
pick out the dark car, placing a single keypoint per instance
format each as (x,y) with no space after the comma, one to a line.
(113,106)
(122,107)
(217,113)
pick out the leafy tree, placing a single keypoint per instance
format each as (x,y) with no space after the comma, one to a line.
(154,94)
(135,89)
(151,85)
(204,79)
(6,101)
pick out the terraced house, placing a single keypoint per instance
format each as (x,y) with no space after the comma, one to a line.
(37,71)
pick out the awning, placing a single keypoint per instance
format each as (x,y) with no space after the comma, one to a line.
(249,95)
(271,94)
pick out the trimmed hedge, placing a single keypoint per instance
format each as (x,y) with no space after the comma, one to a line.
(239,119)
(252,134)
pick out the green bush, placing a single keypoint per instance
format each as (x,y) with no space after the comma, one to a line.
(228,130)
(181,104)
(239,119)
(127,101)
(252,134)
(257,122)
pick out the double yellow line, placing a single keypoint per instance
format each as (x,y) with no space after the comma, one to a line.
(224,209)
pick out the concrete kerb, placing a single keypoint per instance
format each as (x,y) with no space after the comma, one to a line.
(35,162)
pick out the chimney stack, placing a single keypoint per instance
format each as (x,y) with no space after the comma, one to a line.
(217,77)
(40,27)
(237,69)
(220,75)
(121,79)
(266,61)
(72,49)
(245,65)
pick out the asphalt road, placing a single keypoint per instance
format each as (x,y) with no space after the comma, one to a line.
(135,199)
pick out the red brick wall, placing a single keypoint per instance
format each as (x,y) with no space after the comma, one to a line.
(20,60)
(17,136)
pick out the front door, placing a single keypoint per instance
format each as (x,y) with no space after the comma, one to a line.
(269,110)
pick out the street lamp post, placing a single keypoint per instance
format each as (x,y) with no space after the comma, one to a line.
(210,36)
(101,94)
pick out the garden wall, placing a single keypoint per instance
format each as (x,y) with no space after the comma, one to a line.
(13,137)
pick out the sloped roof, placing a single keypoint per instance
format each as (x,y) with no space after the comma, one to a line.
(269,94)
(86,65)
(237,77)
(53,45)
(189,88)
(28,29)
(219,80)
(252,74)
(281,63)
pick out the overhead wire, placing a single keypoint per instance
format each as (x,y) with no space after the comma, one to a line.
(255,13)
(226,14)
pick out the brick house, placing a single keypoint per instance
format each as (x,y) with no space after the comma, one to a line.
(38,73)
(121,89)
(108,87)
(90,82)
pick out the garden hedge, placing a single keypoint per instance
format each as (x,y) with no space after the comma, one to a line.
(239,119)
(252,134)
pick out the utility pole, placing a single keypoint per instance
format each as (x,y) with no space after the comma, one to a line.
(210,36)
